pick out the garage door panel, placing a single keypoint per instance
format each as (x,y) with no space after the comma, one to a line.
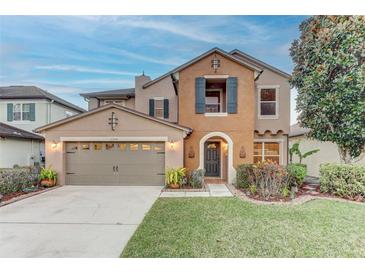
(89,163)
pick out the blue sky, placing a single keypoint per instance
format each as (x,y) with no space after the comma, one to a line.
(67,55)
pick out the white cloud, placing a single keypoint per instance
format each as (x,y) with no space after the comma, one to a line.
(84,69)
(103,81)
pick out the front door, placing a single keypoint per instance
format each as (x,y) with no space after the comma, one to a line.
(212,159)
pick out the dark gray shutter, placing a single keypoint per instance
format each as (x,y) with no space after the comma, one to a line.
(10,112)
(200,95)
(166,108)
(32,112)
(152,107)
(232,95)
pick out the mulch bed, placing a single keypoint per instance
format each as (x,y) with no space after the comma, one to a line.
(20,195)
(301,192)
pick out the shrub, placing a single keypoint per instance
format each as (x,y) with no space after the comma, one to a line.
(16,179)
(48,174)
(196,178)
(343,180)
(298,172)
(175,176)
(267,179)
(242,172)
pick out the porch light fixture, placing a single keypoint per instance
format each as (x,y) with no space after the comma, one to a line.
(172,144)
(54,145)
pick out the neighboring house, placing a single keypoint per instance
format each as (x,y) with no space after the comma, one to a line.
(328,151)
(215,112)
(27,108)
(19,147)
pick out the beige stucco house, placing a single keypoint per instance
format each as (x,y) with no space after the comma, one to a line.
(215,112)
(328,151)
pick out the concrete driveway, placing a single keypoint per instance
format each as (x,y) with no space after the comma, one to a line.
(74,221)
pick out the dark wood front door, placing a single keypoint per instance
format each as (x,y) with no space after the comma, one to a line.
(212,159)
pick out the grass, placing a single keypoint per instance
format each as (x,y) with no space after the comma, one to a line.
(229,227)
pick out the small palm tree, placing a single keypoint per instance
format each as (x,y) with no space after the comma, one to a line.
(295,150)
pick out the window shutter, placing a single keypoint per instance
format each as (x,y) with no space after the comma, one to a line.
(152,107)
(10,112)
(200,95)
(166,108)
(32,112)
(232,95)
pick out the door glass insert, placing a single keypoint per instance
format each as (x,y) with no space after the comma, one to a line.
(109,146)
(85,146)
(122,147)
(146,147)
(133,147)
(98,146)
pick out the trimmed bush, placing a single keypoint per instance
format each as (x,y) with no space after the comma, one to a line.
(196,178)
(16,179)
(266,179)
(242,172)
(343,180)
(298,172)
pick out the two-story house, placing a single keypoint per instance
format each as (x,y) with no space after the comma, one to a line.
(23,109)
(215,112)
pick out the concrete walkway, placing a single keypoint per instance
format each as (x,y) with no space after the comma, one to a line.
(74,221)
(214,190)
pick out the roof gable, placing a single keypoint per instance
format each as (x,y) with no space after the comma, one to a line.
(198,58)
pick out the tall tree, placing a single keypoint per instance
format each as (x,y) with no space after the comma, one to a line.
(329,75)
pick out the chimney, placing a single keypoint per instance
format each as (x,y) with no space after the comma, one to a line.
(140,81)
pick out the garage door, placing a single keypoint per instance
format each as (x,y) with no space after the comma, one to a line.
(116,163)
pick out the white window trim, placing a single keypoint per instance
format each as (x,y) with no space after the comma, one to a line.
(281,147)
(21,113)
(268,117)
(163,107)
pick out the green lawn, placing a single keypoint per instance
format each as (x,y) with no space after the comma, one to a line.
(229,227)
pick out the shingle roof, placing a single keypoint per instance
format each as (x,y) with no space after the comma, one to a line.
(127,92)
(296,130)
(14,132)
(33,92)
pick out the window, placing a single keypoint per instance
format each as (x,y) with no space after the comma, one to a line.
(268,103)
(133,147)
(212,101)
(21,112)
(98,146)
(122,147)
(85,147)
(159,108)
(109,146)
(146,147)
(266,151)
(17,112)
(158,147)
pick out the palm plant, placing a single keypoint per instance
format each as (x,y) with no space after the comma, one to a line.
(295,150)
(175,176)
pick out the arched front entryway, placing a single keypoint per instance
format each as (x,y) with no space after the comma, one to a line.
(208,143)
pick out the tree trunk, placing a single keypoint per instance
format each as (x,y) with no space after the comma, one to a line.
(345,155)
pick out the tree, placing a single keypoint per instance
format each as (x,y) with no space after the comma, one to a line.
(329,75)
(295,150)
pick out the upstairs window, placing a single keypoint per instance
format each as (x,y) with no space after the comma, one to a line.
(21,112)
(159,108)
(212,101)
(117,102)
(268,102)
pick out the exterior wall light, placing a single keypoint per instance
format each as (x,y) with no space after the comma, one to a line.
(54,145)
(172,144)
